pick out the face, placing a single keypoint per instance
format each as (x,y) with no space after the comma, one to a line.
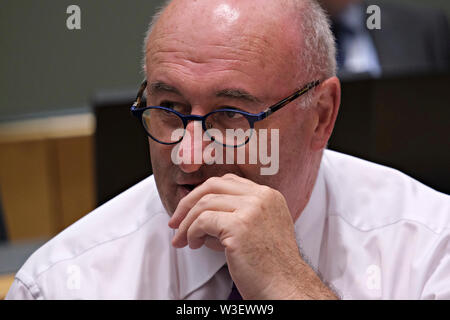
(207,55)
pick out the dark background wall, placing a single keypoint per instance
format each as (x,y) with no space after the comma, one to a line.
(47,69)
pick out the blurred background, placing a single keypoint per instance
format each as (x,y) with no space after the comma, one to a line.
(68,142)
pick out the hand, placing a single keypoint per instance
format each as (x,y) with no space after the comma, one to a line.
(252,223)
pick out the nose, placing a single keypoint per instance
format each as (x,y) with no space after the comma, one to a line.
(191,147)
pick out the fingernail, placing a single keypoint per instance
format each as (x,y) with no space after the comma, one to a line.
(175,243)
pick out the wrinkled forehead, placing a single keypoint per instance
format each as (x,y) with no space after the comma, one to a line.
(261,26)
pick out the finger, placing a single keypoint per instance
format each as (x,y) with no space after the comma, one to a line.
(210,224)
(213,185)
(213,202)
(231,176)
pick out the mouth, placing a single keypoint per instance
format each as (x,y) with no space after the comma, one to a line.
(189,187)
(186,184)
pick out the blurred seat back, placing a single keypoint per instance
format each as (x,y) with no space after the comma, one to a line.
(402,122)
(121,148)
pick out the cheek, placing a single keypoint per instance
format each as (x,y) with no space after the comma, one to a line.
(160,156)
(250,171)
(164,173)
(298,130)
(295,136)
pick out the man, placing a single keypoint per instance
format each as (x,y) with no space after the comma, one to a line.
(322,226)
(411,39)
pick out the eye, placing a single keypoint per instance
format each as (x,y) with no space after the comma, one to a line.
(232,115)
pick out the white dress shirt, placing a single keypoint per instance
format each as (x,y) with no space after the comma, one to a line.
(371,231)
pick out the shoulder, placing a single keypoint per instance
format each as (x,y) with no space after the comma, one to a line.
(387,235)
(97,240)
(368,196)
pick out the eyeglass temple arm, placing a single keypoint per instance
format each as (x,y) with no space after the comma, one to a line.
(291,98)
(138,100)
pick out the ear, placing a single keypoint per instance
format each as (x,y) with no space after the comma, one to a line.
(328,96)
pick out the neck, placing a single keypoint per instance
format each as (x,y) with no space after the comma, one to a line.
(308,187)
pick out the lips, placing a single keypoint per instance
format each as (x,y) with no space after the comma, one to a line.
(189,184)
(190,187)
(185,189)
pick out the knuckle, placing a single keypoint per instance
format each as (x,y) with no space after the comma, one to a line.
(277,194)
(266,191)
(254,200)
(229,176)
(203,218)
(212,181)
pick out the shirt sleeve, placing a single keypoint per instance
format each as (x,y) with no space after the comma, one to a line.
(19,291)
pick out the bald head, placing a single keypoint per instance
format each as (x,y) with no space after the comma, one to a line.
(296,31)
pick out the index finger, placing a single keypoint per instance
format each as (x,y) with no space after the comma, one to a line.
(215,185)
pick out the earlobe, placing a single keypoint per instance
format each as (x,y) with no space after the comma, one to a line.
(327,106)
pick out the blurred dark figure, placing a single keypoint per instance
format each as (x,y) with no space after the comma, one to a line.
(412,39)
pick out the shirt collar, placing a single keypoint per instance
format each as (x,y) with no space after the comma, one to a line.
(196,267)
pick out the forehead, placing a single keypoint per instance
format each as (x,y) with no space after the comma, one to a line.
(221,37)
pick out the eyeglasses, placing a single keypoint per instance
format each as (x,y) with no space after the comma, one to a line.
(229,127)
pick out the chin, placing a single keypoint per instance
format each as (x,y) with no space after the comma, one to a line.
(168,196)
(169,206)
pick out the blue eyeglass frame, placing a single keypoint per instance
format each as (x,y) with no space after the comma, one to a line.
(138,112)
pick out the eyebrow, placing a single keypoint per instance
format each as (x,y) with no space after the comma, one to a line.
(232,93)
(238,94)
(161,86)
